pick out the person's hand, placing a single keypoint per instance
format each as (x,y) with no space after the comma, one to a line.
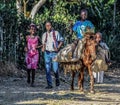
(43,49)
(25,49)
(39,46)
(56,49)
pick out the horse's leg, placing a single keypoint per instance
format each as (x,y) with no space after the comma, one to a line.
(81,79)
(72,83)
(91,79)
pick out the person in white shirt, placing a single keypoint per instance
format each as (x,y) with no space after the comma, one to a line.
(52,41)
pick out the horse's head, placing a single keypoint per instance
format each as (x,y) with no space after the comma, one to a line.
(90,45)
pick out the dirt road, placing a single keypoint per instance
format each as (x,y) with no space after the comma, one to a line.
(15,91)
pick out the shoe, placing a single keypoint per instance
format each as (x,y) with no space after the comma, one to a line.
(48,87)
(32,85)
(57,84)
(98,82)
(28,81)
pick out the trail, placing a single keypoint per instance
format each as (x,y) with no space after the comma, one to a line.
(15,91)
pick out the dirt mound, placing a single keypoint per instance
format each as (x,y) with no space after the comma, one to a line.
(9,69)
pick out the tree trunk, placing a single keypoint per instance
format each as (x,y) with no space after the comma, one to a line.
(114,14)
(19,6)
(1,38)
(36,8)
(25,7)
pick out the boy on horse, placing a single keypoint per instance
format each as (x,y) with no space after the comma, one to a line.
(80,26)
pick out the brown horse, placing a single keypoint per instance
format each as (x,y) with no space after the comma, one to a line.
(89,55)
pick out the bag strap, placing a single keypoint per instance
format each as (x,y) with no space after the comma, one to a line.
(54,37)
(46,37)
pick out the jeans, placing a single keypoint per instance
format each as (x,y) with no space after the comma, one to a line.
(49,65)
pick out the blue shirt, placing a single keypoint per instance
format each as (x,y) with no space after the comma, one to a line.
(80,27)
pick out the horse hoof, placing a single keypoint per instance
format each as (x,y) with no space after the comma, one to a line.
(92,91)
(72,89)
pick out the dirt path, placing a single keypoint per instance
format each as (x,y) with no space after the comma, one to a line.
(15,91)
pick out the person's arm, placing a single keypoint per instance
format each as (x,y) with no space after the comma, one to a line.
(40,46)
(92,27)
(39,43)
(60,39)
(43,43)
(60,44)
(25,49)
(106,47)
(74,28)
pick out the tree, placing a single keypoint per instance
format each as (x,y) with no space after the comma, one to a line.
(24,11)
(36,8)
(19,7)
(18,15)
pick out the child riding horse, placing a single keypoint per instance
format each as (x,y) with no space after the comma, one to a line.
(83,56)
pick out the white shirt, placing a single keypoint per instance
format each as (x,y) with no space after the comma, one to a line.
(50,40)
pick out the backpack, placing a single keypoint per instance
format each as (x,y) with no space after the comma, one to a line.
(54,38)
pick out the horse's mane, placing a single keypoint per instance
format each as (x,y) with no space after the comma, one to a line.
(89,35)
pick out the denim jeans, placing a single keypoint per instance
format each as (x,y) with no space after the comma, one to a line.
(49,65)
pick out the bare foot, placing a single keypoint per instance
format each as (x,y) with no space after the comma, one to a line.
(92,91)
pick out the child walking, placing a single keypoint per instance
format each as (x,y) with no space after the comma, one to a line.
(32,54)
(100,74)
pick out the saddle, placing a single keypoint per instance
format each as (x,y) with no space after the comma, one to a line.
(70,53)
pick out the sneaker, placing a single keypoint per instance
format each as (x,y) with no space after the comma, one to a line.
(48,87)
(32,85)
(28,81)
(57,84)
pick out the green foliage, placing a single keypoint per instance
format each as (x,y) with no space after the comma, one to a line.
(62,14)
(13,43)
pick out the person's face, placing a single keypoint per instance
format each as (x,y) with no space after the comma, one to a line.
(98,38)
(83,15)
(48,26)
(32,30)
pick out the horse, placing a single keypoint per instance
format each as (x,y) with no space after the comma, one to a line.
(87,59)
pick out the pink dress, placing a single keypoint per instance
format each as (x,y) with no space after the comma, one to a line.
(32,55)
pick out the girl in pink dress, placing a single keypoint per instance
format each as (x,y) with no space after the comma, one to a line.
(32,54)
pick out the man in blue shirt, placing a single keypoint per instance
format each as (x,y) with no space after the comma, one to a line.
(80,26)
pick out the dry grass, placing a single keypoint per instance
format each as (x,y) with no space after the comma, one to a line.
(9,69)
